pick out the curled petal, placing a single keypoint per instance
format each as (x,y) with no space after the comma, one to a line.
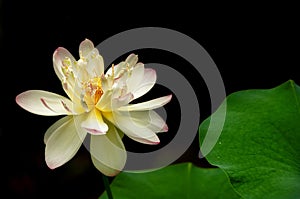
(108,152)
(45,103)
(148,105)
(62,142)
(94,123)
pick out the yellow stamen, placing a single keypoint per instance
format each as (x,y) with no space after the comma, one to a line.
(98,94)
(99,91)
(66,62)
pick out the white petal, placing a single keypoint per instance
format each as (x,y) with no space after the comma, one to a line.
(108,152)
(135,77)
(121,101)
(131,60)
(45,103)
(94,123)
(95,65)
(55,126)
(105,102)
(134,130)
(146,84)
(149,119)
(85,47)
(112,100)
(148,105)
(59,55)
(68,81)
(116,70)
(63,143)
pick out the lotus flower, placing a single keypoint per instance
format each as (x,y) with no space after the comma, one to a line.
(98,103)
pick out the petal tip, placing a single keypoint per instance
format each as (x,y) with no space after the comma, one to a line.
(165,128)
(156,143)
(51,165)
(96,131)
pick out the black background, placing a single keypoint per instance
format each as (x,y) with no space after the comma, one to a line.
(253,46)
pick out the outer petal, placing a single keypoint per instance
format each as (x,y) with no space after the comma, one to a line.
(55,126)
(63,143)
(108,152)
(146,84)
(94,123)
(134,130)
(148,105)
(45,103)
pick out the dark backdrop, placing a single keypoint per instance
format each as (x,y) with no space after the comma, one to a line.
(253,47)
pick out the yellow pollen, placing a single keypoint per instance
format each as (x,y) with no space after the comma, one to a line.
(66,62)
(93,89)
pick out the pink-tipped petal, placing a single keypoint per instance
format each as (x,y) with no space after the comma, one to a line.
(59,55)
(45,103)
(94,123)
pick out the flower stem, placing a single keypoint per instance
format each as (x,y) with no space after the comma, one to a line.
(107,186)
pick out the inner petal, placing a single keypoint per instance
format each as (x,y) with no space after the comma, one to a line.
(94,123)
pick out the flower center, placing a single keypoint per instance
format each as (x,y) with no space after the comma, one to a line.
(93,89)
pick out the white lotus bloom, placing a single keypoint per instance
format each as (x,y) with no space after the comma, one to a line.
(98,104)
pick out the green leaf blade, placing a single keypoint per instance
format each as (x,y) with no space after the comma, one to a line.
(259,147)
(182,180)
